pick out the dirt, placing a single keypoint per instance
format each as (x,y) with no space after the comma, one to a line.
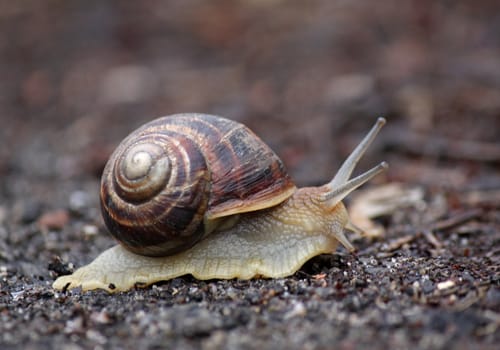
(310,78)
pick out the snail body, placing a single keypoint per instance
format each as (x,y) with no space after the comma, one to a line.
(203,195)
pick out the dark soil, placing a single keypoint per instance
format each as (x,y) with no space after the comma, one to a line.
(310,77)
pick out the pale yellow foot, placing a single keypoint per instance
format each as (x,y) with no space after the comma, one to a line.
(117,269)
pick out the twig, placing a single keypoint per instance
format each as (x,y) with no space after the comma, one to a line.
(456,220)
(438,146)
(429,236)
(398,243)
(427,231)
(488,196)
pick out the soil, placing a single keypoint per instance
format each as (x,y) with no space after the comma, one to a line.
(310,78)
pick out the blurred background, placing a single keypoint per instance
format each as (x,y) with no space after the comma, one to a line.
(309,77)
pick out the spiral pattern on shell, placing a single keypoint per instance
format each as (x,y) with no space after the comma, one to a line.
(170,177)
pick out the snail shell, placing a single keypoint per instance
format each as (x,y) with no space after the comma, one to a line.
(168,183)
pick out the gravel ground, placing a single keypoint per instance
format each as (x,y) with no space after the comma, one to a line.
(310,78)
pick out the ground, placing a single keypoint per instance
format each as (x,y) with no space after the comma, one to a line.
(309,78)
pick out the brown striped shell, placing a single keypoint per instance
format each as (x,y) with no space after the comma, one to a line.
(166,183)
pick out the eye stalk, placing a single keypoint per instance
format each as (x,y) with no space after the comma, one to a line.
(336,195)
(341,186)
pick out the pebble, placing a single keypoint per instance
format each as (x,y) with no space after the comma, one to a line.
(100,317)
(427,286)
(199,322)
(96,336)
(79,201)
(492,298)
(298,309)
(27,212)
(54,220)
(74,325)
(90,230)
(445,284)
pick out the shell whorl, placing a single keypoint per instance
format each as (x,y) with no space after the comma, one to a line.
(154,191)
(168,177)
(141,171)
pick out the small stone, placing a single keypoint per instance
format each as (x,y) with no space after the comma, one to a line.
(3,271)
(445,285)
(427,286)
(17,295)
(492,298)
(28,212)
(298,310)
(96,336)
(74,325)
(90,230)
(199,323)
(54,220)
(101,317)
(59,267)
(79,201)
(468,277)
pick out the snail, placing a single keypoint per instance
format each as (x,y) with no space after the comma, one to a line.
(203,195)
